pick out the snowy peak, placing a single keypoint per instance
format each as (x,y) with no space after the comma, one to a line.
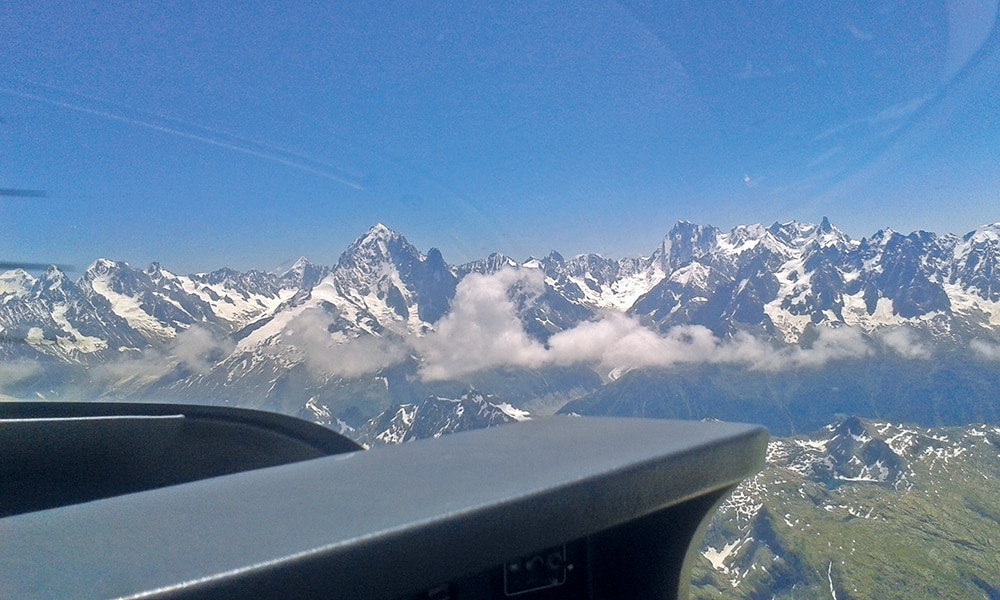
(803,235)
(153,302)
(380,244)
(155,272)
(583,284)
(687,242)
(240,298)
(983,237)
(109,269)
(787,278)
(302,275)
(373,256)
(53,281)
(908,271)
(793,233)
(384,276)
(618,283)
(489,265)
(436,416)
(780,282)
(15,284)
(298,266)
(857,453)
(55,317)
(103,266)
(379,230)
(858,450)
(977,262)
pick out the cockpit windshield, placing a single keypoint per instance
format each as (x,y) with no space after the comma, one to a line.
(400,220)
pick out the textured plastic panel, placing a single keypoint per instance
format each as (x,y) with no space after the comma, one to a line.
(410,521)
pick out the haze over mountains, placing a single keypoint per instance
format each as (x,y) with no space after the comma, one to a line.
(787,309)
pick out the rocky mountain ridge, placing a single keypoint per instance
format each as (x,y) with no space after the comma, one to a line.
(380,319)
(436,416)
(778,278)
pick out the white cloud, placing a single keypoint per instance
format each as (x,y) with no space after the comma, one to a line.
(482,329)
(147,366)
(859,34)
(984,349)
(334,353)
(17,371)
(904,342)
(196,349)
(752,71)
(831,343)
(619,341)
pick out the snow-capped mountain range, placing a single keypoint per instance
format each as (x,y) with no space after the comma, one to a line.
(791,325)
(436,416)
(387,312)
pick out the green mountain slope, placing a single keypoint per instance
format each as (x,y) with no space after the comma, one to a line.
(862,509)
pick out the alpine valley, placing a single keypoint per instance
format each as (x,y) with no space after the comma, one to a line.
(873,362)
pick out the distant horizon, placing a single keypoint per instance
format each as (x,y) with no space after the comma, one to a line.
(286,266)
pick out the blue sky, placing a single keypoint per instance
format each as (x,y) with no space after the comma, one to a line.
(202,135)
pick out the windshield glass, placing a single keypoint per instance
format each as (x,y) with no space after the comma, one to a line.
(210,136)
(406,219)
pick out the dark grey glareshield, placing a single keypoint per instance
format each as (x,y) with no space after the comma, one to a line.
(562,507)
